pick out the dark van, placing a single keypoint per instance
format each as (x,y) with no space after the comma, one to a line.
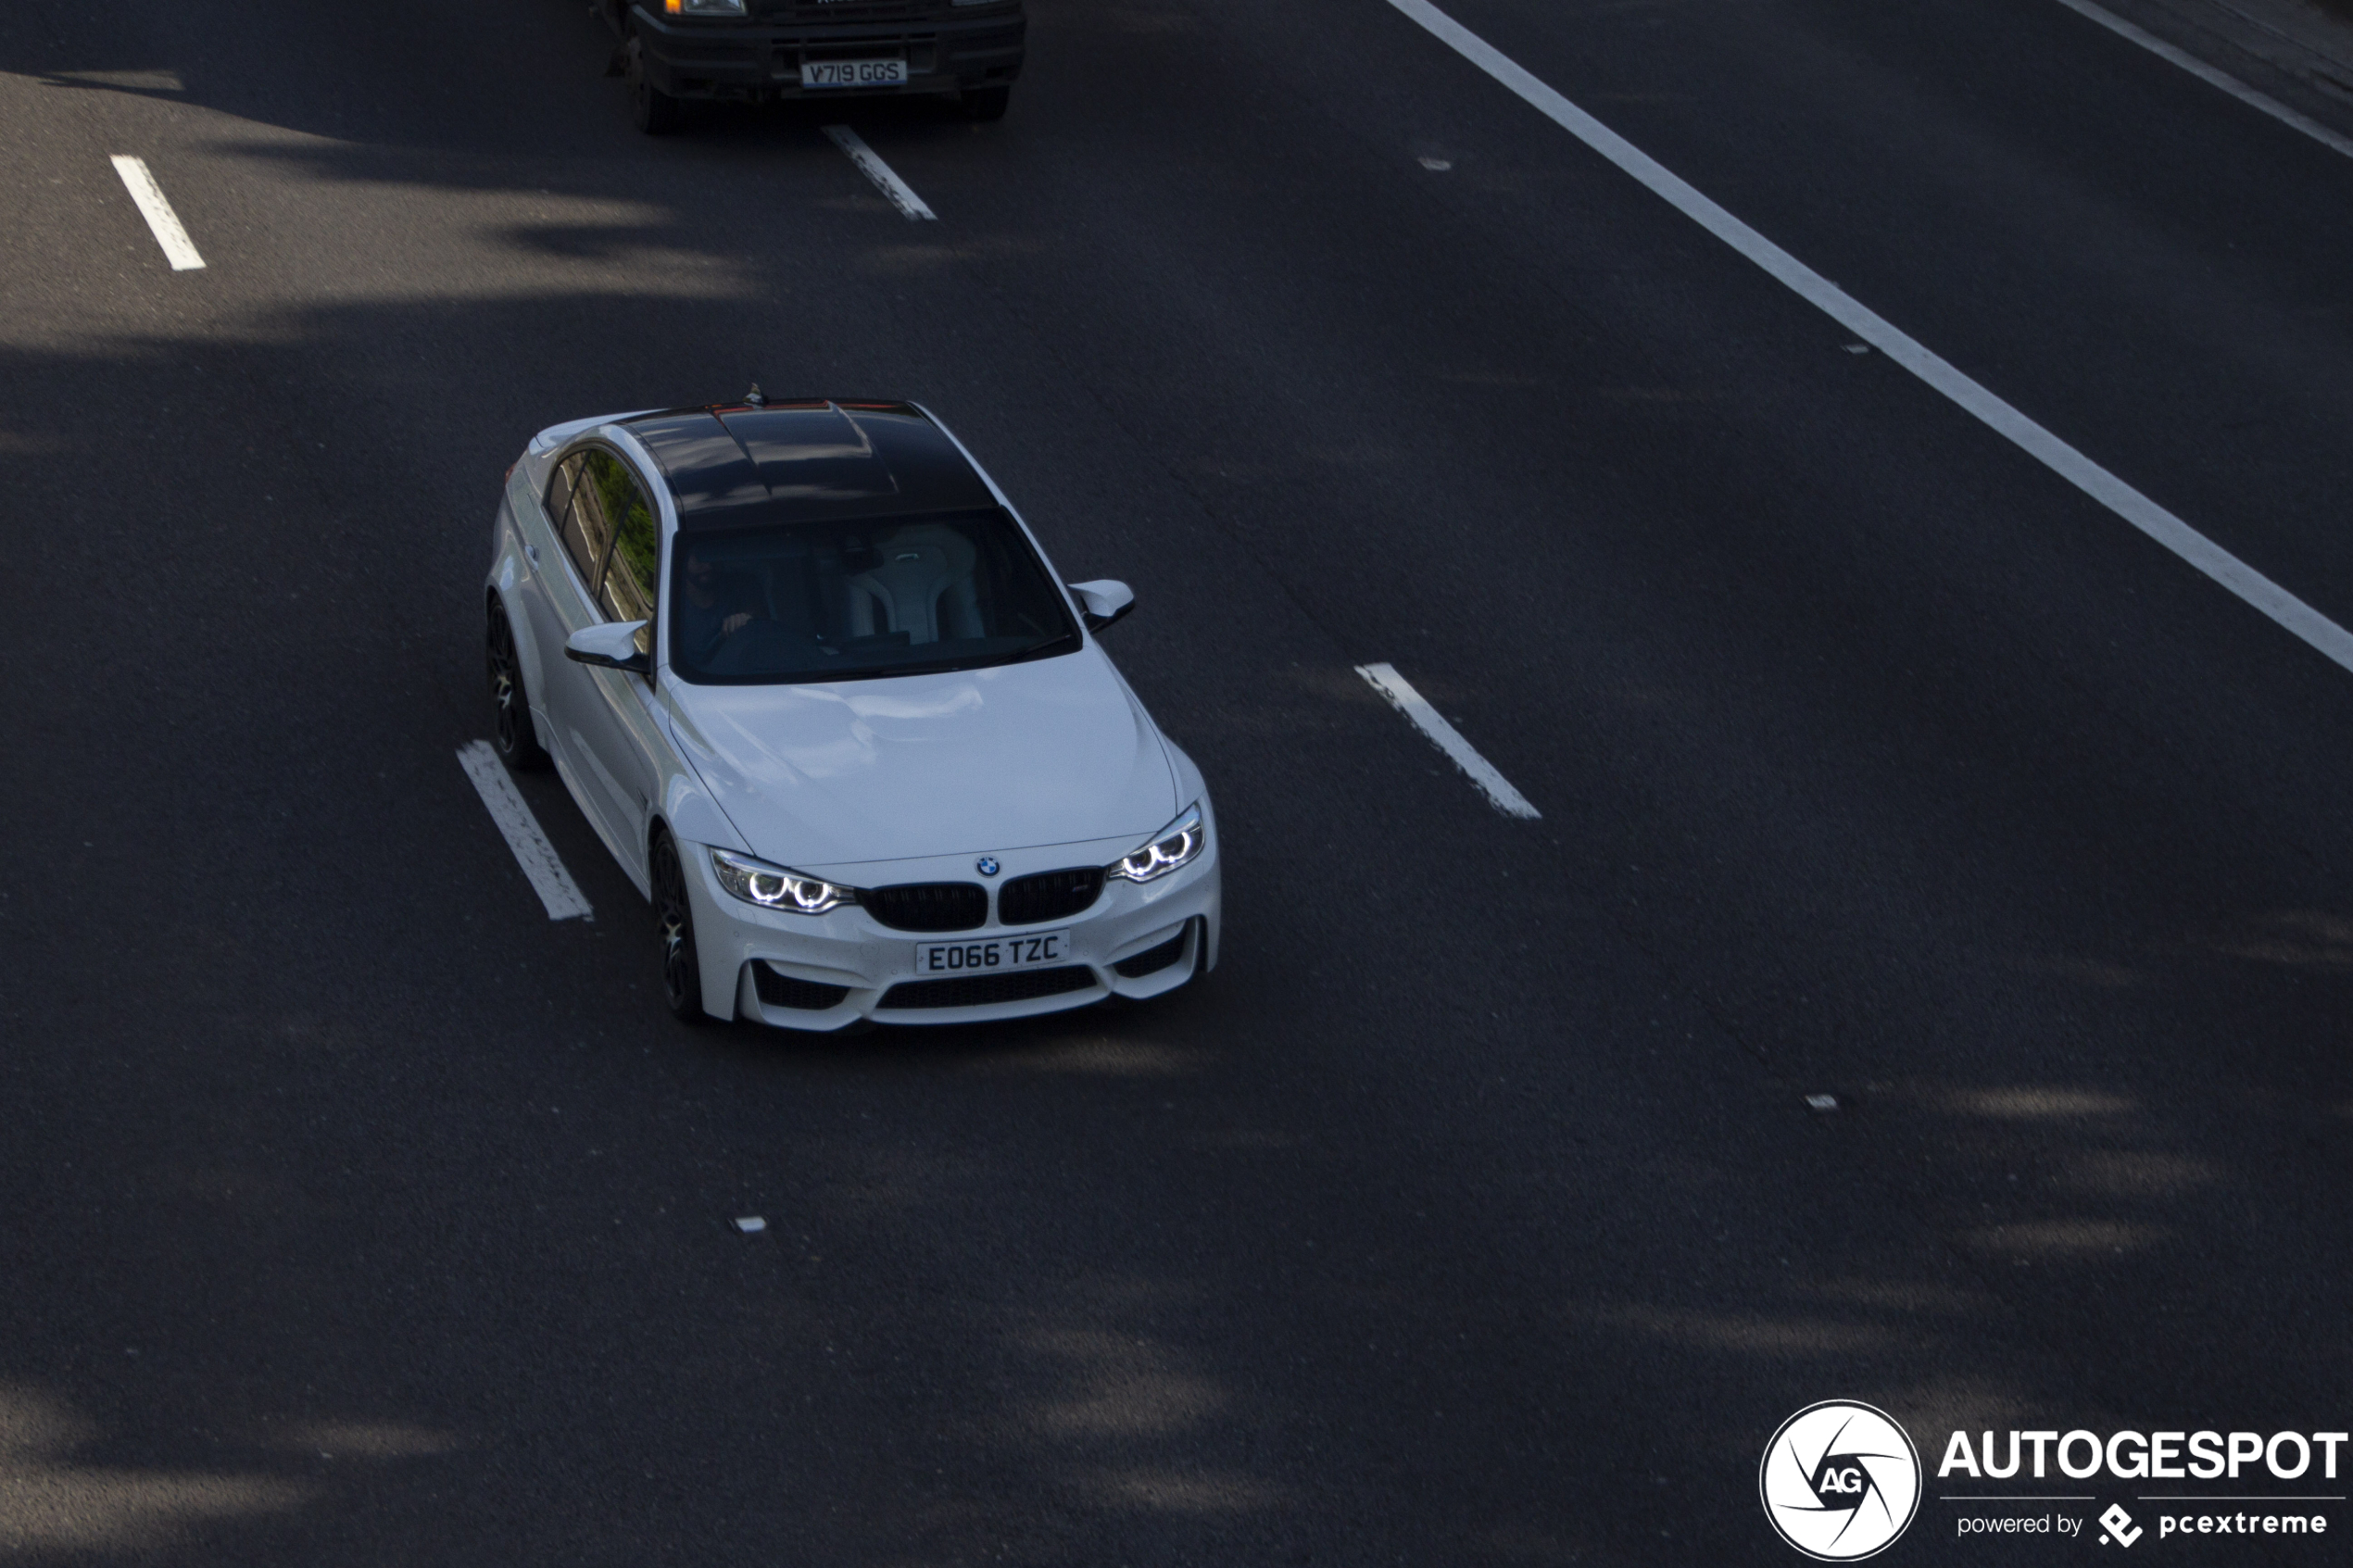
(758,51)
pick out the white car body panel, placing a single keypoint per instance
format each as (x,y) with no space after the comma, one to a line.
(965,762)
(1047,765)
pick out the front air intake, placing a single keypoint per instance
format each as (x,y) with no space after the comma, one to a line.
(1152,960)
(790,991)
(985,990)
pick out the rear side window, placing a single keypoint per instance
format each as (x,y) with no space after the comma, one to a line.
(571,506)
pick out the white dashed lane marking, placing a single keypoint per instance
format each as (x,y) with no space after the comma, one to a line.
(178,249)
(532,852)
(2324,635)
(1411,703)
(870,163)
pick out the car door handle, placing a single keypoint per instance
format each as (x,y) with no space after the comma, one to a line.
(532,551)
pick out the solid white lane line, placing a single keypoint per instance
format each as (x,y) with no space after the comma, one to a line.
(2263,102)
(2331,640)
(162,221)
(868,160)
(532,852)
(1411,703)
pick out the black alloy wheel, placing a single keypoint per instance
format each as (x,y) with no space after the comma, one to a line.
(674,926)
(986,103)
(653,111)
(516,741)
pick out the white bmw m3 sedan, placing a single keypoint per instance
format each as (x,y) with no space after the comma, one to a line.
(813,680)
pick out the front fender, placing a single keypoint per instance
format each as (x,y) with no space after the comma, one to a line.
(695,818)
(696,823)
(1191,785)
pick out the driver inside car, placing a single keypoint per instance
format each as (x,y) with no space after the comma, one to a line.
(714,605)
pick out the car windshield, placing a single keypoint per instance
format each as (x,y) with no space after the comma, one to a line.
(860,597)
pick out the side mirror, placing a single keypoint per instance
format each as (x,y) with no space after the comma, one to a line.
(622,644)
(1104,601)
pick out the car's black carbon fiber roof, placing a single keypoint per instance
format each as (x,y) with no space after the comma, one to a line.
(732,466)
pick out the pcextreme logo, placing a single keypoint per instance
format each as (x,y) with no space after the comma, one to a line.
(1839,1480)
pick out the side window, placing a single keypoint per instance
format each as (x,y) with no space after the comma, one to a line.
(559,497)
(628,591)
(580,518)
(606,498)
(560,484)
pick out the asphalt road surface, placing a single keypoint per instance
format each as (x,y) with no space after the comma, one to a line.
(352,1211)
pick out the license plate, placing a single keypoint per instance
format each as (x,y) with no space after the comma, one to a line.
(993,957)
(854,73)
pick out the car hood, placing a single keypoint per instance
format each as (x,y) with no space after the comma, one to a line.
(1049,752)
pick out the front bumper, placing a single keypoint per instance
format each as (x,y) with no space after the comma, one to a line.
(756,60)
(827,972)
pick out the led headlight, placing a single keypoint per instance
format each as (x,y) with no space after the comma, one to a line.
(1178,843)
(772,887)
(704,7)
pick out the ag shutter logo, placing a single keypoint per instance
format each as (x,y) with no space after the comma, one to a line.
(1839,1480)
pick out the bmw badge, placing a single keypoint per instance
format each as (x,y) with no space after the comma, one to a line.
(988,866)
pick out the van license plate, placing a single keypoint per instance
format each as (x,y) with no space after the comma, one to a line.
(854,73)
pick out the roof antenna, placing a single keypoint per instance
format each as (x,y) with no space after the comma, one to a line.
(756,397)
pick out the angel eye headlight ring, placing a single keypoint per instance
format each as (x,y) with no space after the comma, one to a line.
(775,888)
(1172,848)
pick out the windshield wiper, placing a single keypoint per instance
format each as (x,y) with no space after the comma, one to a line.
(1063,642)
(1067,641)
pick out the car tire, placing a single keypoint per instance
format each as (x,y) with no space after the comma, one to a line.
(511,734)
(674,934)
(652,110)
(986,103)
